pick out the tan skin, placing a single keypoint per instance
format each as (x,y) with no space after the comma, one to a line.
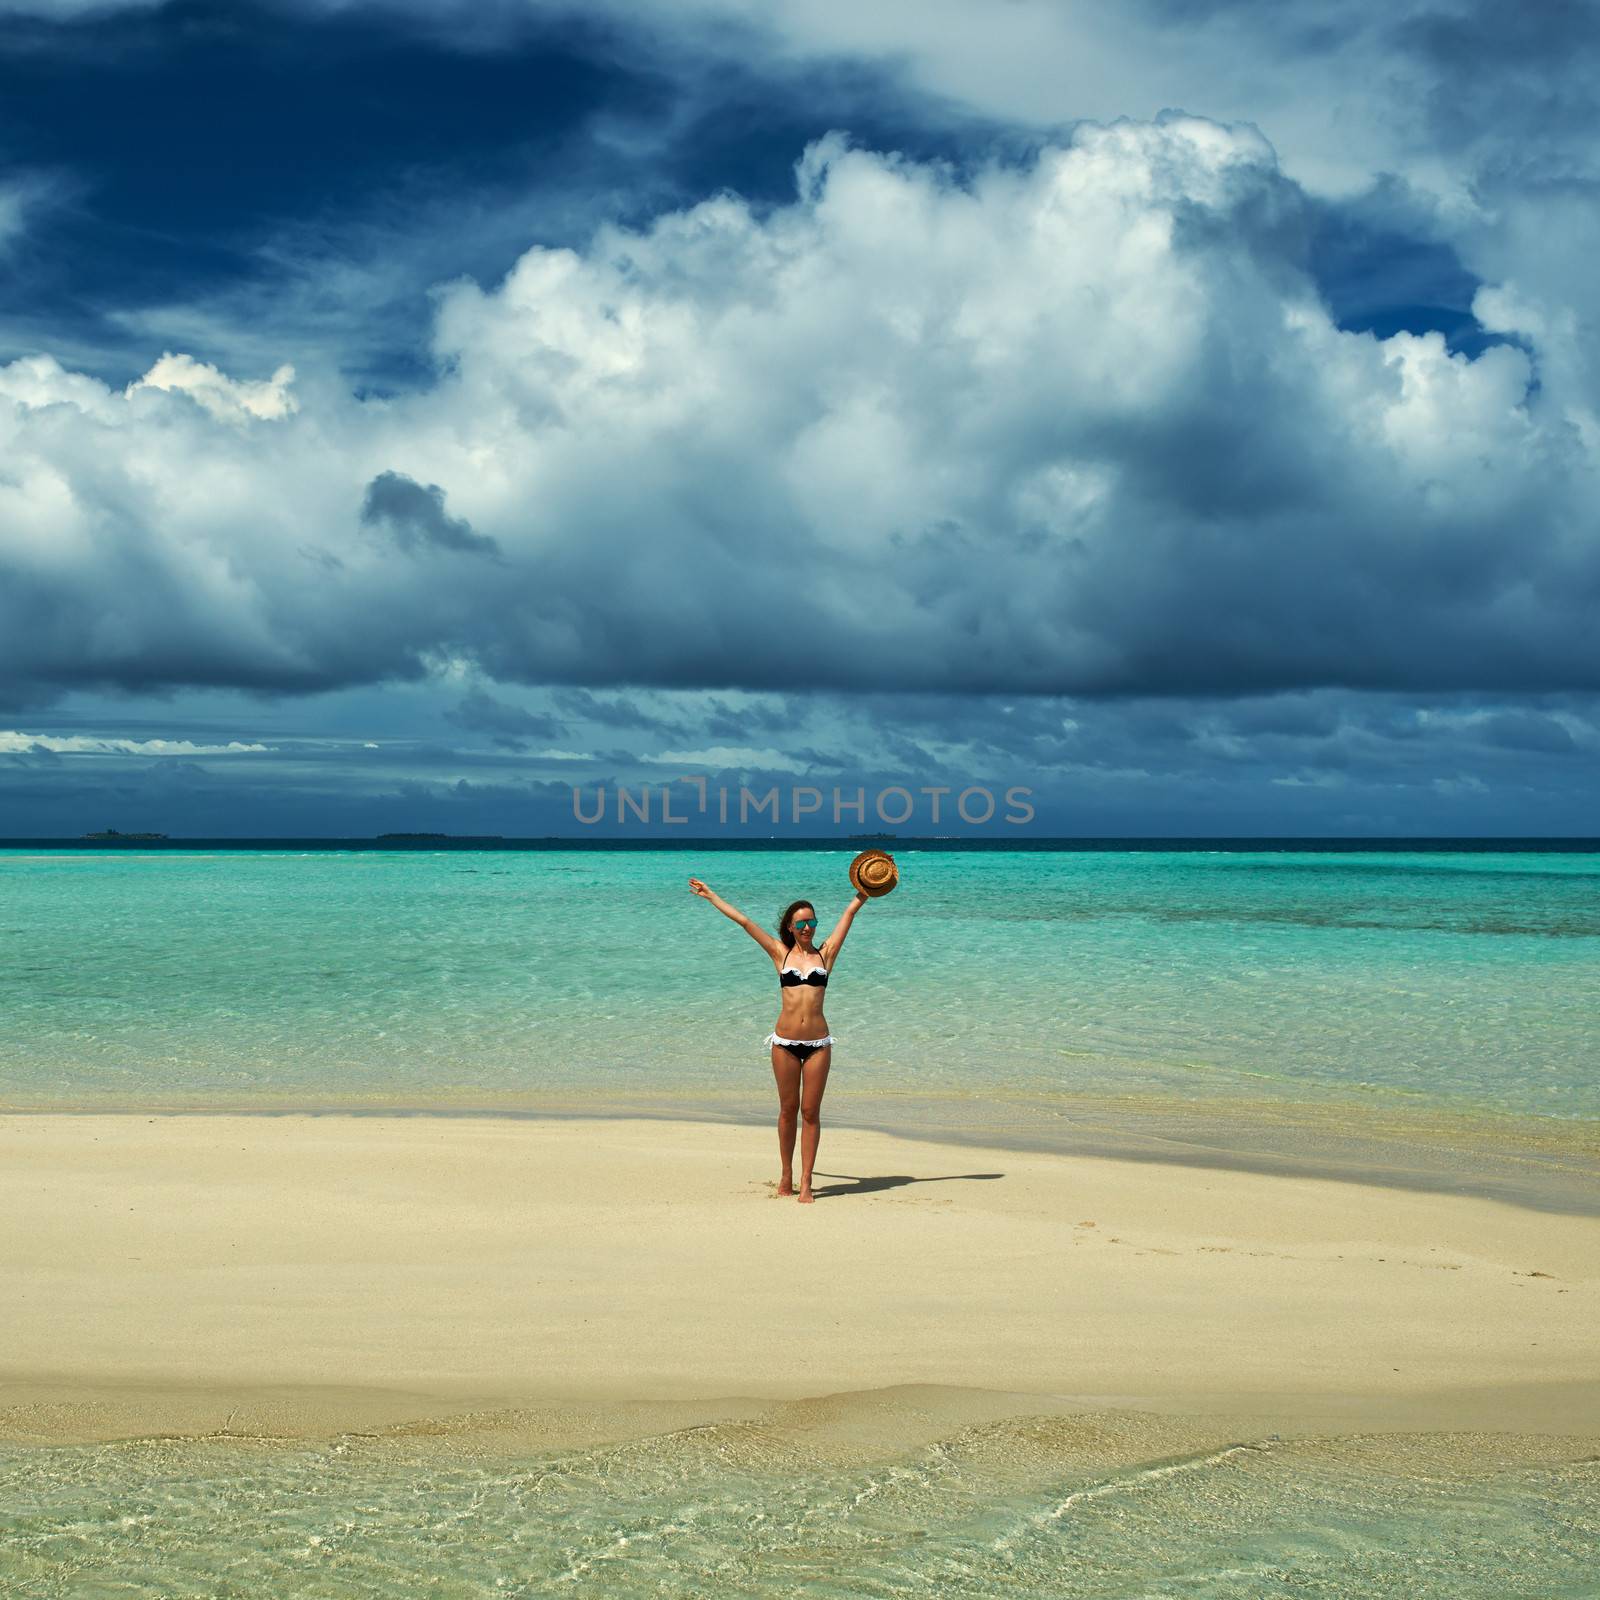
(799,1088)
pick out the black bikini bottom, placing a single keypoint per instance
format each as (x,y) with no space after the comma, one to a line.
(800,1049)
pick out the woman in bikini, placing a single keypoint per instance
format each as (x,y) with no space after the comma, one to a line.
(802,1047)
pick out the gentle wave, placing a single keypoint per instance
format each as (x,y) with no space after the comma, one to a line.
(1024,1505)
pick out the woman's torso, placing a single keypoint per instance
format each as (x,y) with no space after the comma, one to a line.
(800,1008)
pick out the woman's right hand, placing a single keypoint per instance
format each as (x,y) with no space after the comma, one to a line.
(699,888)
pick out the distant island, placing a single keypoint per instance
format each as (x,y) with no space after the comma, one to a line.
(111,833)
(872,836)
(469,838)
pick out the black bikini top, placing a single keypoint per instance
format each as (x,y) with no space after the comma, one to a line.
(790,977)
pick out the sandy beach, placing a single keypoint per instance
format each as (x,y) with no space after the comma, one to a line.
(168,1272)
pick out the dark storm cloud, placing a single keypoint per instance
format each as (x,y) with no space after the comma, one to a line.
(1320,761)
(759,719)
(415,517)
(480,712)
(1528,730)
(614,711)
(1525,78)
(1371,740)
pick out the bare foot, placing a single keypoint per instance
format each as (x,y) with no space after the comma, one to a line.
(805,1196)
(784,1190)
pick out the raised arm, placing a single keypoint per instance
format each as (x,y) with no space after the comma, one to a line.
(829,948)
(760,935)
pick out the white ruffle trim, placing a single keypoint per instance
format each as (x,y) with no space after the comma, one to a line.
(778,1038)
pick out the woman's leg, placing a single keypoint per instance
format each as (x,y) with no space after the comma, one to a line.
(816,1080)
(787,1071)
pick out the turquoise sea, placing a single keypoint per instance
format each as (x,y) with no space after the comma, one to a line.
(1423,1017)
(1361,1011)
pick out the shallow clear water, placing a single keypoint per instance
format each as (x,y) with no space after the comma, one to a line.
(1039,1507)
(1464,982)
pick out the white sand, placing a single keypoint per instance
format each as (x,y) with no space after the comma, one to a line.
(486,1261)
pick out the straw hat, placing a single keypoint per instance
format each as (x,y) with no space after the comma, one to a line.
(873,872)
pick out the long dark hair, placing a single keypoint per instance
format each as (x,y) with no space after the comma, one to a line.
(785,932)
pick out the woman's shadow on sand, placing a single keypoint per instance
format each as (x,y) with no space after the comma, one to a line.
(851,1185)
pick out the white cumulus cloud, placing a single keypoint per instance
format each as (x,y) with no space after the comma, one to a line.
(223,397)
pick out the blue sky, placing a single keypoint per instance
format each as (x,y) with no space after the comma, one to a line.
(410,412)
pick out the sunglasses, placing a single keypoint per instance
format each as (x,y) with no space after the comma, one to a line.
(804,922)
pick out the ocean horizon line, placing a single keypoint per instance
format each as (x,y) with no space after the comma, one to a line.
(1172,843)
